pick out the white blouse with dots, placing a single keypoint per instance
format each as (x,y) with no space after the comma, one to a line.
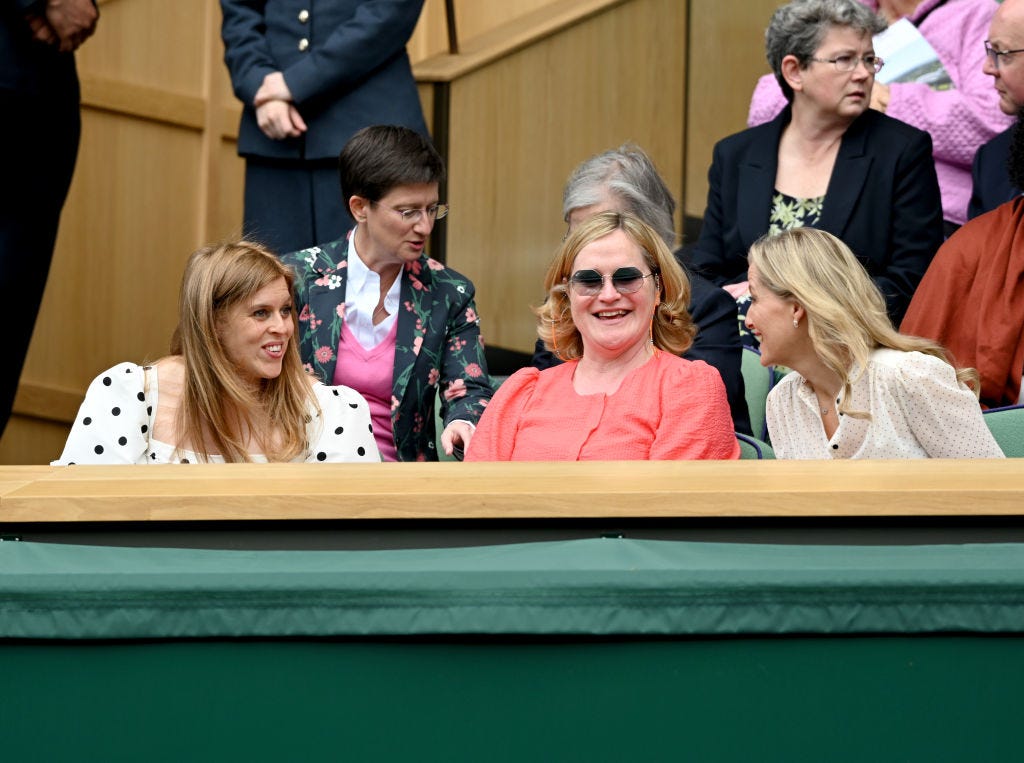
(116,417)
(917,407)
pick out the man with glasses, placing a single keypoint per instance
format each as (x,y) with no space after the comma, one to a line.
(1005,64)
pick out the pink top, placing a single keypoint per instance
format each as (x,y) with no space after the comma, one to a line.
(959,120)
(370,372)
(669,408)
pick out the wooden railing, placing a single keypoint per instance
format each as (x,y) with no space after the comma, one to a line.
(439,491)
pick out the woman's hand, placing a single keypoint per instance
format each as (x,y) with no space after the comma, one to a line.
(457,435)
(737,290)
(880,97)
(279,120)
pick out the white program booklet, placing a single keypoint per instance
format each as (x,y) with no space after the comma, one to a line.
(909,57)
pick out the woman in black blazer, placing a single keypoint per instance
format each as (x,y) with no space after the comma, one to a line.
(827,161)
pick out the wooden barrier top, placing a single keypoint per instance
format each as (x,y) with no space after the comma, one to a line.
(505,40)
(557,490)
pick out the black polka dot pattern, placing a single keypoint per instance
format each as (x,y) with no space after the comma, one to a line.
(112,422)
(344,433)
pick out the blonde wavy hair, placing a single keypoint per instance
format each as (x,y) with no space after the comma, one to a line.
(672,328)
(217,407)
(846,314)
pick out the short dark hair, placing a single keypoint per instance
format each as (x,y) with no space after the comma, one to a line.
(379,158)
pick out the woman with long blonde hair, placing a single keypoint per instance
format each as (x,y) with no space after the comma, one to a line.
(233,388)
(859,389)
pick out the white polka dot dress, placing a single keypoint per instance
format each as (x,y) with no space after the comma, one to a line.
(114,423)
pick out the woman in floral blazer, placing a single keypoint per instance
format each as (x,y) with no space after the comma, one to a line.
(390,177)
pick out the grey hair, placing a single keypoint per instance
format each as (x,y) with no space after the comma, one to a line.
(797,29)
(628,174)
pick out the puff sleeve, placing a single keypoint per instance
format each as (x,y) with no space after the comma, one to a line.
(112,425)
(942,413)
(343,431)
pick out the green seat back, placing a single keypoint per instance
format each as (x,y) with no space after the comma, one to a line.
(1007,426)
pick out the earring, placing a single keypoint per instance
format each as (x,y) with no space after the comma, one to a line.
(796,323)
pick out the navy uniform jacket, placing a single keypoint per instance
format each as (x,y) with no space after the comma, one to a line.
(882,201)
(343,60)
(991,180)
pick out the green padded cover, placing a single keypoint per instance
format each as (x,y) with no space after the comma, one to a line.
(599,586)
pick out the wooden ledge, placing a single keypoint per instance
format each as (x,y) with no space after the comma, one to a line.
(508,38)
(758,489)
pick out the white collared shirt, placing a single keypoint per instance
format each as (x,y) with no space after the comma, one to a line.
(917,407)
(362,294)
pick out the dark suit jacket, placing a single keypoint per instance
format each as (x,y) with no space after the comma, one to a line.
(991,181)
(882,201)
(438,346)
(28,66)
(717,343)
(355,71)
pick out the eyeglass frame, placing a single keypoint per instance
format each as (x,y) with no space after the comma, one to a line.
(994,54)
(575,285)
(874,67)
(440,212)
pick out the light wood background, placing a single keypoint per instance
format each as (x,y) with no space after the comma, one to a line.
(539,86)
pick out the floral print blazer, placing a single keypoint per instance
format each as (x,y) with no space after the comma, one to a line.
(438,341)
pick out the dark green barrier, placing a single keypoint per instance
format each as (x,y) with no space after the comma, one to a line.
(795,699)
(597,650)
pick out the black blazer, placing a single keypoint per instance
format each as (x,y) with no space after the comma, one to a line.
(717,343)
(991,184)
(882,201)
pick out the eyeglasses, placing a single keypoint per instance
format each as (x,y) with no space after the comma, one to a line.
(588,283)
(433,212)
(844,64)
(995,55)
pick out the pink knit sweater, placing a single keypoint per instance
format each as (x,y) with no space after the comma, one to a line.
(959,120)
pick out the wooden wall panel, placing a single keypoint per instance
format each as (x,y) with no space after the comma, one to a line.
(726,56)
(112,290)
(519,126)
(140,202)
(149,42)
(472,18)
(227,204)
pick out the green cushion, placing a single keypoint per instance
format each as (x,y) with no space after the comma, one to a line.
(1007,426)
